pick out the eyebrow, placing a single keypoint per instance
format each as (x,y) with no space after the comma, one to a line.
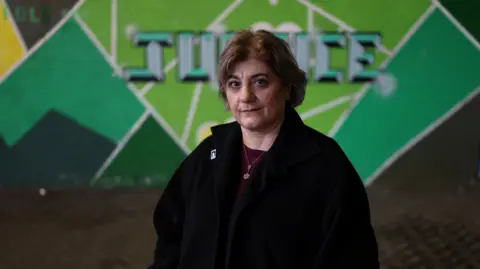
(253,76)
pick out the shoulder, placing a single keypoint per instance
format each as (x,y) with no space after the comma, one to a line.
(328,146)
(203,152)
(340,184)
(183,179)
(337,170)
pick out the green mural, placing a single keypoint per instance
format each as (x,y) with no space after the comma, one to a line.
(67,73)
(425,90)
(149,158)
(64,105)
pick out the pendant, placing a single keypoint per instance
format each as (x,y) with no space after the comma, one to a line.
(246,176)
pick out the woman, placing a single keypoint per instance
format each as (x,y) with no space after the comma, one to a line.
(265,191)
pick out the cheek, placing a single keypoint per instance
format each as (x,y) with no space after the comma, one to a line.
(228,99)
(231,101)
(272,98)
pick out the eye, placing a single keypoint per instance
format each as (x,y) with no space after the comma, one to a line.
(233,84)
(261,82)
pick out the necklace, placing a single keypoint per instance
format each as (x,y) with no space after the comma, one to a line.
(249,167)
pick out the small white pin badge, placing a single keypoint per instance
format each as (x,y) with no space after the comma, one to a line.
(213,154)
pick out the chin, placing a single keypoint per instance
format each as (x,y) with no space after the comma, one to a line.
(251,124)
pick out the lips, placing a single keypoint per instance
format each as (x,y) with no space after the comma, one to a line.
(251,110)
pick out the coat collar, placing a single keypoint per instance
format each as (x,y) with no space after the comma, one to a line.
(293,144)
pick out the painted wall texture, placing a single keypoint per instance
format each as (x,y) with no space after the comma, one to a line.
(68,118)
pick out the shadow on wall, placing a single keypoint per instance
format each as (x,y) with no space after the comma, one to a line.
(35,18)
(448,155)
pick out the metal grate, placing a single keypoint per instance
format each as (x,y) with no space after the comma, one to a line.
(420,243)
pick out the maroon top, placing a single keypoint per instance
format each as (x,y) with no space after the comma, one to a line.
(254,157)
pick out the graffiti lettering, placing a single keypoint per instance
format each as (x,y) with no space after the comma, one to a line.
(206,70)
(359,58)
(153,42)
(26,14)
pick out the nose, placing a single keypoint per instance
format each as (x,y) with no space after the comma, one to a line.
(246,93)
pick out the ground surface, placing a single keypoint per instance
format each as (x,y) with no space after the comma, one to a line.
(419,227)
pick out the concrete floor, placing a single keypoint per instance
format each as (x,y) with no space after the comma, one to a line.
(76,229)
(416,228)
(434,227)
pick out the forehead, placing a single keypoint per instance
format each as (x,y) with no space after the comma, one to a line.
(249,68)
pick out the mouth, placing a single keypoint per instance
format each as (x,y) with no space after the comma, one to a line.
(251,110)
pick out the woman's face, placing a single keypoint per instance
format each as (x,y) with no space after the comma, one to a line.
(255,95)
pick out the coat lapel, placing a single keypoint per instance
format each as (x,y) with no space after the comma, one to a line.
(227,140)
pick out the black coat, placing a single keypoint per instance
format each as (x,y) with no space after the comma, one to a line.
(304,207)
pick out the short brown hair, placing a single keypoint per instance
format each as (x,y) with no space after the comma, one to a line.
(274,51)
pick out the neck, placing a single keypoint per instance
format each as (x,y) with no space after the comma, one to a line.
(261,140)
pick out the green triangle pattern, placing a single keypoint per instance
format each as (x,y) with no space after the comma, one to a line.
(429,75)
(148,159)
(84,89)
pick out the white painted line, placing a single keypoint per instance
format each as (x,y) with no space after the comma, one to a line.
(147,88)
(221,17)
(11,19)
(191,112)
(394,53)
(327,15)
(171,65)
(413,29)
(385,50)
(140,97)
(421,136)
(356,98)
(225,13)
(324,107)
(310,20)
(120,145)
(114,30)
(459,26)
(42,40)
(341,24)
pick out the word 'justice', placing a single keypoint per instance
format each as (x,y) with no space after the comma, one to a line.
(302,45)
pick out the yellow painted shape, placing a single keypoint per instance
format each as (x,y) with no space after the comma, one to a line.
(204,130)
(11,50)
